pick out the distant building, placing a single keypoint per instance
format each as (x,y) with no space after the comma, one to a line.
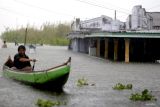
(138,39)
(102,23)
(86,27)
(154,20)
(128,23)
(142,20)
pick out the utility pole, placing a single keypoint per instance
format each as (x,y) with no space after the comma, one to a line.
(25,36)
(115,15)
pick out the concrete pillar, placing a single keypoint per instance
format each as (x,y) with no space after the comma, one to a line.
(106,49)
(98,48)
(127,43)
(115,49)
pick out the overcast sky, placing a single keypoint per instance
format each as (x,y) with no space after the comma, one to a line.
(17,13)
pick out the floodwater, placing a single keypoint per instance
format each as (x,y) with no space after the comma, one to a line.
(1,43)
(103,73)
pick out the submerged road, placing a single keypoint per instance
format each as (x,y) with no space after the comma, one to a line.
(103,73)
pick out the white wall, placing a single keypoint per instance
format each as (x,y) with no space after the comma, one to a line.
(140,19)
(74,45)
(96,23)
(107,27)
(103,23)
(128,22)
(135,17)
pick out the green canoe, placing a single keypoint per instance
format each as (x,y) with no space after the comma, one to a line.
(52,77)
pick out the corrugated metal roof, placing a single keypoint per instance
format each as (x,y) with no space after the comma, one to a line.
(116,35)
(125,35)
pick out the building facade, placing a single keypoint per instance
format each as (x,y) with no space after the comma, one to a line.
(142,20)
(102,23)
(138,39)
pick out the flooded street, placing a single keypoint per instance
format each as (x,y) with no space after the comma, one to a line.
(103,73)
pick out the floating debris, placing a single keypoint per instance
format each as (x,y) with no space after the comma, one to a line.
(145,95)
(92,84)
(84,82)
(121,86)
(81,82)
(48,103)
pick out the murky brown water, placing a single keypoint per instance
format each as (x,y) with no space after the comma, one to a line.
(105,74)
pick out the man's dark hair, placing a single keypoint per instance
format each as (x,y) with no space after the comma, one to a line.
(21,47)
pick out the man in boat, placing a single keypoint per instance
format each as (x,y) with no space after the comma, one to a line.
(22,61)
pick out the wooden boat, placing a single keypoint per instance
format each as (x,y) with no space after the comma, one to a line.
(52,77)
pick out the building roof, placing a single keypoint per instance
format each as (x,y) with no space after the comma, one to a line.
(122,34)
(126,35)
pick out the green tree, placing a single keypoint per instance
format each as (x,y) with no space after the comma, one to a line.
(53,34)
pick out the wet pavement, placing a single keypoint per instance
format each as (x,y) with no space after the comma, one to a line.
(103,73)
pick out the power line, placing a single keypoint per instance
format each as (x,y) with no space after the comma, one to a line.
(13,12)
(98,1)
(104,7)
(44,9)
(101,6)
(17,13)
